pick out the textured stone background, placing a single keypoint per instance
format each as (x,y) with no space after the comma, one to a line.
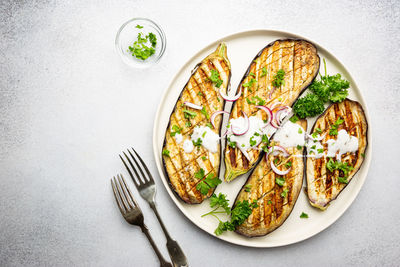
(68,105)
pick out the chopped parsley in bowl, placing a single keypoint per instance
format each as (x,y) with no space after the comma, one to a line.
(140,42)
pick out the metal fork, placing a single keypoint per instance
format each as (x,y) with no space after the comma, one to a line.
(132,213)
(147,189)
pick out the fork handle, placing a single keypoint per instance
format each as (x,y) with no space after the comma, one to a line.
(175,252)
(163,262)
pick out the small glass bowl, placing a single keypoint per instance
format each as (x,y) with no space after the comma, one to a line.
(127,35)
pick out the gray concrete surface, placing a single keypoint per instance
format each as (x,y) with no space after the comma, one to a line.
(68,105)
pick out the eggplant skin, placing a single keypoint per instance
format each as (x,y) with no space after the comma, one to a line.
(273,209)
(322,185)
(180,167)
(300,61)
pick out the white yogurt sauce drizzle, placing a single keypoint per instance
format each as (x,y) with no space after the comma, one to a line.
(178,138)
(208,137)
(255,131)
(290,135)
(343,144)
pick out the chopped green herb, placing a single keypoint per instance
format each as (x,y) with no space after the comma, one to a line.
(211,181)
(314,135)
(335,126)
(139,26)
(318,130)
(203,157)
(200,93)
(250,83)
(231,144)
(278,80)
(252,141)
(188,124)
(332,88)
(263,72)
(320,150)
(252,74)
(264,139)
(269,202)
(280,181)
(215,78)
(304,215)
(256,134)
(314,147)
(308,106)
(284,192)
(265,149)
(140,48)
(363,155)
(294,119)
(261,102)
(250,102)
(205,113)
(288,164)
(299,147)
(300,131)
(175,130)
(209,125)
(204,134)
(165,152)
(198,142)
(189,114)
(247,188)
(341,166)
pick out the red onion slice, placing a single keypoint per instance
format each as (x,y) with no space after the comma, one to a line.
(278,148)
(278,171)
(215,114)
(269,114)
(242,131)
(275,104)
(231,98)
(276,121)
(191,105)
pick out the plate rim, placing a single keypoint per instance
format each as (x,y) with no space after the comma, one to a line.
(366,164)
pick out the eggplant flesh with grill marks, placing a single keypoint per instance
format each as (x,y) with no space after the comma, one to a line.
(323,186)
(180,167)
(275,202)
(300,62)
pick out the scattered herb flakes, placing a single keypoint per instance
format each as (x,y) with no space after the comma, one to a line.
(250,83)
(211,181)
(284,192)
(143,47)
(263,72)
(215,78)
(205,113)
(304,215)
(165,152)
(198,142)
(278,80)
(294,119)
(334,128)
(175,130)
(139,26)
(280,180)
(341,166)
(189,114)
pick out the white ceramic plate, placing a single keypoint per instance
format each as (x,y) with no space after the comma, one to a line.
(242,47)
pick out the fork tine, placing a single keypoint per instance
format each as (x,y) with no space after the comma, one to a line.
(129,191)
(128,196)
(121,209)
(129,170)
(144,165)
(137,164)
(123,199)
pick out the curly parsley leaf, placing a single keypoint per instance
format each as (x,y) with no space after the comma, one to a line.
(308,106)
(278,80)
(165,152)
(215,78)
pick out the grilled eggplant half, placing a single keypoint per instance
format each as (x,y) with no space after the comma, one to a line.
(184,164)
(300,64)
(328,176)
(275,194)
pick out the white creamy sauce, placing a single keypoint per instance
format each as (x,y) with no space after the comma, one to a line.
(290,135)
(208,137)
(255,131)
(343,144)
(178,138)
(313,147)
(188,146)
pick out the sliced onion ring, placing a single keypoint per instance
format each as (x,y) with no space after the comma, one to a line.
(191,105)
(278,148)
(242,131)
(276,121)
(231,98)
(269,114)
(215,114)
(278,171)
